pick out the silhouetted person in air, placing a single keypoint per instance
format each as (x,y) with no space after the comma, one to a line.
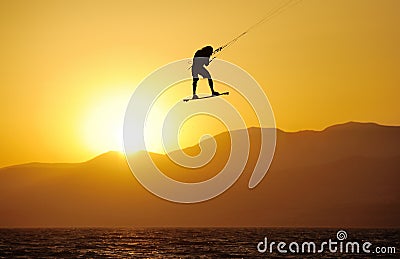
(202,58)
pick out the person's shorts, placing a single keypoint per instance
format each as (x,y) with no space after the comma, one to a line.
(196,71)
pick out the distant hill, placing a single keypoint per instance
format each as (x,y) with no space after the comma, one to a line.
(344,176)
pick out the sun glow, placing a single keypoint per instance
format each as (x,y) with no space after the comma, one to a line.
(103,122)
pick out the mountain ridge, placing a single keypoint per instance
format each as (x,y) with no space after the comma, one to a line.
(315,178)
(113,153)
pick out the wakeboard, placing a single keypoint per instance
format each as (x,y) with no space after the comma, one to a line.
(205,97)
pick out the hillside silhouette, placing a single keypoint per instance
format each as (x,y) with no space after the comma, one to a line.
(344,176)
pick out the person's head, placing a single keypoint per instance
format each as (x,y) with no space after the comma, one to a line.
(208,50)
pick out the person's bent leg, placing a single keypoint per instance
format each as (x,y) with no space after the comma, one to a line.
(211,83)
(195,80)
(207,75)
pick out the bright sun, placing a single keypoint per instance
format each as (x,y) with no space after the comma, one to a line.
(103,122)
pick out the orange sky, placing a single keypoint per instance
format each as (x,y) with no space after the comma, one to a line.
(68,67)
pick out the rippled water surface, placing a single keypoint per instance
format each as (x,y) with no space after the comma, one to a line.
(180,242)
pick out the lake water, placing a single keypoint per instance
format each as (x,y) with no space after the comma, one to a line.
(188,242)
